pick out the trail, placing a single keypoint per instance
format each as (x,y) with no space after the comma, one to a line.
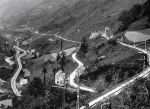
(74,74)
(13,80)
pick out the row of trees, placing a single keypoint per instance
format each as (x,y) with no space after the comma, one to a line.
(135,13)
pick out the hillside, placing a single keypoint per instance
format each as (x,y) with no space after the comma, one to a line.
(30,11)
(11,11)
(87,16)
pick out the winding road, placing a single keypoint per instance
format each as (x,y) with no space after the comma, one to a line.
(75,74)
(71,78)
(116,90)
(13,80)
(66,39)
(79,69)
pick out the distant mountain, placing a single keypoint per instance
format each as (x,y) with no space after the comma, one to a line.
(12,9)
(87,16)
(15,12)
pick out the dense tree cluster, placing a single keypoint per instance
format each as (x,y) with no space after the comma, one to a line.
(135,13)
(83,48)
(38,96)
(6,73)
(114,72)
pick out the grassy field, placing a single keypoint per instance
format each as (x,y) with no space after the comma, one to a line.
(36,66)
(138,36)
(103,14)
(44,46)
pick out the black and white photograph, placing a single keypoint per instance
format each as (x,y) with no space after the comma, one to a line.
(74,54)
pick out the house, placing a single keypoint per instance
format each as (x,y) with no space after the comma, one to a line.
(60,78)
(95,34)
(23,82)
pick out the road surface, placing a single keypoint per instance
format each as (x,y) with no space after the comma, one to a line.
(66,39)
(8,60)
(119,88)
(13,80)
(74,74)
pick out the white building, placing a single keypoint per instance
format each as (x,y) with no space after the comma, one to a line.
(107,34)
(8,60)
(6,102)
(23,82)
(95,34)
(60,78)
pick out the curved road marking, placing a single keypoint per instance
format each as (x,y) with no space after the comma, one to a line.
(66,39)
(13,80)
(74,74)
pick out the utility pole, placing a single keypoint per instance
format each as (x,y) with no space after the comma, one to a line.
(62,68)
(61,46)
(145,45)
(78,93)
(44,78)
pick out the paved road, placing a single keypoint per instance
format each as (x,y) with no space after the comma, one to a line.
(8,60)
(66,39)
(74,74)
(13,80)
(56,35)
(80,67)
(119,88)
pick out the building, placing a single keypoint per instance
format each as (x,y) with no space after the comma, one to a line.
(60,78)
(95,34)
(108,33)
(6,103)
(23,82)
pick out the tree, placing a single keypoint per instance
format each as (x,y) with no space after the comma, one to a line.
(146,7)
(112,42)
(84,45)
(44,72)
(135,12)
(36,87)
(62,60)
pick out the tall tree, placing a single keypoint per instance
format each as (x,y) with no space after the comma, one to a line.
(36,87)
(84,45)
(44,78)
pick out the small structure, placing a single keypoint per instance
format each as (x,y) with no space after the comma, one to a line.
(6,103)
(8,60)
(60,78)
(108,33)
(32,54)
(95,34)
(26,72)
(23,81)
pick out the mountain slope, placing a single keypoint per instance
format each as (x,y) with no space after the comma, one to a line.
(87,16)
(12,9)
(30,11)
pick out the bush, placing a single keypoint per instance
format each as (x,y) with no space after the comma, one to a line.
(112,42)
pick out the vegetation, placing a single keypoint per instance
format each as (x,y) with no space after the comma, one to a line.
(6,73)
(53,25)
(83,48)
(39,97)
(113,73)
(135,13)
(136,96)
